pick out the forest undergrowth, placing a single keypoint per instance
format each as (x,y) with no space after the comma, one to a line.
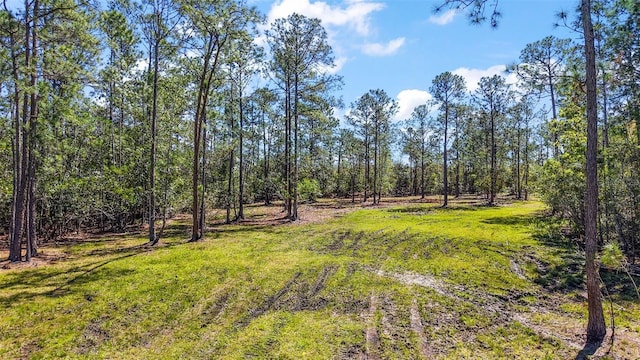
(407,279)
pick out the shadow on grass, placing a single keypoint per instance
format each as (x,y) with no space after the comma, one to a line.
(421,210)
(564,274)
(515,220)
(92,272)
(588,350)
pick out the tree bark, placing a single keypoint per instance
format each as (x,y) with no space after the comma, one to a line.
(596,329)
(422,153)
(14,247)
(375,160)
(294,211)
(445,169)
(241,158)
(556,150)
(204,87)
(494,174)
(153,239)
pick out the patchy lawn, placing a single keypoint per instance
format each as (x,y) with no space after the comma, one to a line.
(405,280)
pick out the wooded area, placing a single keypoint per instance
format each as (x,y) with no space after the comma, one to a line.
(126,114)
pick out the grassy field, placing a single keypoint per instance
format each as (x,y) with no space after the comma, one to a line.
(406,281)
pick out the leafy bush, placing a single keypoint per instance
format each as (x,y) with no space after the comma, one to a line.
(309,190)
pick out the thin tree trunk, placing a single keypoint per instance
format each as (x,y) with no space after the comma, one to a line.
(33,127)
(230,174)
(294,212)
(596,329)
(494,174)
(445,169)
(353,186)
(197,129)
(526,162)
(14,247)
(556,150)
(203,175)
(287,147)
(265,185)
(422,153)
(241,158)
(457,142)
(32,240)
(153,239)
(338,181)
(165,187)
(518,145)
(457,173)
(367,169)
(375,162)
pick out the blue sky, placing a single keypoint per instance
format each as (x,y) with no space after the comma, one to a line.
(401,45)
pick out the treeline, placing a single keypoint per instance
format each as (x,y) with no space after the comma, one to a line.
(128,114)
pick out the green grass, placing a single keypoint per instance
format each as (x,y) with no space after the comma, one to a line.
(481,282)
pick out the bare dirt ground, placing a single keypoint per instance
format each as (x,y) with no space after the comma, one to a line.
(325,209)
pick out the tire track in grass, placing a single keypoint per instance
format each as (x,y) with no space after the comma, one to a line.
(372,337)
(493,304)
(418,329)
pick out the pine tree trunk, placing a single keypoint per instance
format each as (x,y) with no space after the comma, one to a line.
(294,211)
(153,239)
(556,150)
(422,185)
(203,177)
(596,329)
(265,185)
(494,174)
(14,233)
(287,148)
(230,177)
(241,163)
(375,162)
(367,169)
(445,169)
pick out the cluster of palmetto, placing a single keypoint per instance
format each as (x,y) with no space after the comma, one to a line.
(149,107)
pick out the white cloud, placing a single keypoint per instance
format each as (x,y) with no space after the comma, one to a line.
(355,15)
(338,64)
(390,48)
(473,76)
(444,18)
(408,100)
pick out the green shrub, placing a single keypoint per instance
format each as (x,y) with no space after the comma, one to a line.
(309,190)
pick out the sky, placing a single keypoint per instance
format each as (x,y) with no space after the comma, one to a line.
(401,45)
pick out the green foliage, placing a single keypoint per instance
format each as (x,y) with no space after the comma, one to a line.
(561,183)
(309,190)
(611,256)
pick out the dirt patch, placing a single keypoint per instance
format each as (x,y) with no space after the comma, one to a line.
(372,337)
(418,329)
(417,279)
(269,302)
(515,268)
(214,309)
(499,308)
(28,349)
(298,294)
(46,257)
(92,337)
(305,294)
